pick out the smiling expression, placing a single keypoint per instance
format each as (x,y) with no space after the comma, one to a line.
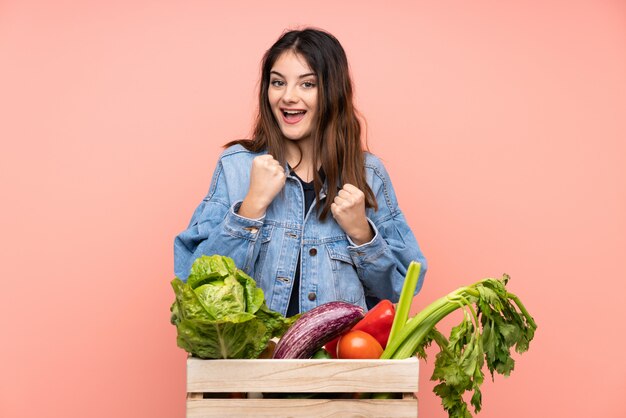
(292,95)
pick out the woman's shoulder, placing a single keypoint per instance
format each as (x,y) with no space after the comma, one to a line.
(375,164)
(380,182)
(238,153)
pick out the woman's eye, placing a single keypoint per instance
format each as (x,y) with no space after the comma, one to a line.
(277,83)
(308,84)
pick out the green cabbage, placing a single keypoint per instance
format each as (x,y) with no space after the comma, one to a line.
(220,313)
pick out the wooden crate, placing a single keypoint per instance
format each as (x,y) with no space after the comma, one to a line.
(251,377)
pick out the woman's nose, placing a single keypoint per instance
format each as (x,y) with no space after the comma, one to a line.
(291,95)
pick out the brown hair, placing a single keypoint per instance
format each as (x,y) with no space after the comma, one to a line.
(337,133)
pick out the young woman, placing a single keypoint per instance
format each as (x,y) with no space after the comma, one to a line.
(301,207)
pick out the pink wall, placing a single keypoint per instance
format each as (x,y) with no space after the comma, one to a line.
(503,127)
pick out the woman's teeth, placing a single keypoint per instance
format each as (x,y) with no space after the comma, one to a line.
(293,112)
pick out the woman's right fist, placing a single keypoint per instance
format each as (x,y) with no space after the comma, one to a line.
(267,179)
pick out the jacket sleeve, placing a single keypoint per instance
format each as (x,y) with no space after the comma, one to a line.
(216,228)
(382,263)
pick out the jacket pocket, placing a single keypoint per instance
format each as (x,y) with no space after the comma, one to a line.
(348,286)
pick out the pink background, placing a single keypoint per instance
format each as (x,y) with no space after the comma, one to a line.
(503,127)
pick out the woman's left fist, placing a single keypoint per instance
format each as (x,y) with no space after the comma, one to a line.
(348,209)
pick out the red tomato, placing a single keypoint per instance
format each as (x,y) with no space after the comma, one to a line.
(358,345)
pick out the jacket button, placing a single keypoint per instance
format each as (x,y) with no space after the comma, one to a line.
(312,296)
(312,252)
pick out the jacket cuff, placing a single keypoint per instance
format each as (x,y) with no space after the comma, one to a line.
(241,227)
(369,251)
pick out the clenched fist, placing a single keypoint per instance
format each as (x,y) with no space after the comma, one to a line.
(267,178)
(348,209)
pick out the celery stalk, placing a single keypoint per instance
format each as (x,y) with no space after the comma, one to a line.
(406,299)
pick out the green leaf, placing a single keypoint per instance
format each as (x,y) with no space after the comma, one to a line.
(420,351)
(222,298)
(209,268)
(254,295)
(222,339)
(477,399)
(187,304)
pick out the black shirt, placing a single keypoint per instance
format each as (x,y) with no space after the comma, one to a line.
(309,196)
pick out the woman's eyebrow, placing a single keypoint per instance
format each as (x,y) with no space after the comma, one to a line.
(302,76)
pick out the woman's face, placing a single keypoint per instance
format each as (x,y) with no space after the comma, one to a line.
(292,94)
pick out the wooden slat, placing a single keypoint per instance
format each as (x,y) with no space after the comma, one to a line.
(271,375)
(301,408)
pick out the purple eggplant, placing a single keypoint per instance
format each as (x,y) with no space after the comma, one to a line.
(317,327)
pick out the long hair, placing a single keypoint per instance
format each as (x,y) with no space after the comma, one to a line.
(337,131)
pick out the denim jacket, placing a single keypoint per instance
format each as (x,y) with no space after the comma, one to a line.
(332,266)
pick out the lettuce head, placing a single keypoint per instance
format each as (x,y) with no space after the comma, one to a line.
(221,313)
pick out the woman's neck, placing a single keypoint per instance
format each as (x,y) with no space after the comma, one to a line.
(300,158)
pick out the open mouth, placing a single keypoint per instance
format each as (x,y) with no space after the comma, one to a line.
(293,116)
